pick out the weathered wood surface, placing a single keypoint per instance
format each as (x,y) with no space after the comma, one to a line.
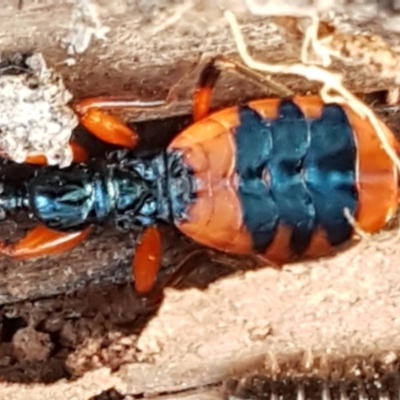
(74,313)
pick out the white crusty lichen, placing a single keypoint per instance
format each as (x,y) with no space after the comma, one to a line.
(34,114)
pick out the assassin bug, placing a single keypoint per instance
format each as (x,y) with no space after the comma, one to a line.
(270,177)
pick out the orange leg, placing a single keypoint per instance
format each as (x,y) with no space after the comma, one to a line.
(210,75)
(152,297)
(78,152)
(203,92)
(42,241)
(93,116)
(146,263)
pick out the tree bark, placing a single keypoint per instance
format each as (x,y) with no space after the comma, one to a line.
(75,315)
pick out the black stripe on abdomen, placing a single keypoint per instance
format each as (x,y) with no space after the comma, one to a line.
(296,172)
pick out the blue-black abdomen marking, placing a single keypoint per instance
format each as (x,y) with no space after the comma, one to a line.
(329,168)
(296,172)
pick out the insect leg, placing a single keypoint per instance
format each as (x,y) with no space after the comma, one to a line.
(42,241)
(93,115)
(153,297)
(202,95)
(78,152)
(147,260)
(211,73)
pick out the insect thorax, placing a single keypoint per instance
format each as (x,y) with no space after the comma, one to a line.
(128,189)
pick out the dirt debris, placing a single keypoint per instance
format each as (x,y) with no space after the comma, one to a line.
(34,114)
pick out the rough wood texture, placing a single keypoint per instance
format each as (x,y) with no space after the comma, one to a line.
(76,316)
(325,311)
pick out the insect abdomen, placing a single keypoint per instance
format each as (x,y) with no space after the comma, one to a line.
(286,170)
(299,175)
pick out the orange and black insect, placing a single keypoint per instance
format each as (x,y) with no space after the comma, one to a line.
(270,177)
